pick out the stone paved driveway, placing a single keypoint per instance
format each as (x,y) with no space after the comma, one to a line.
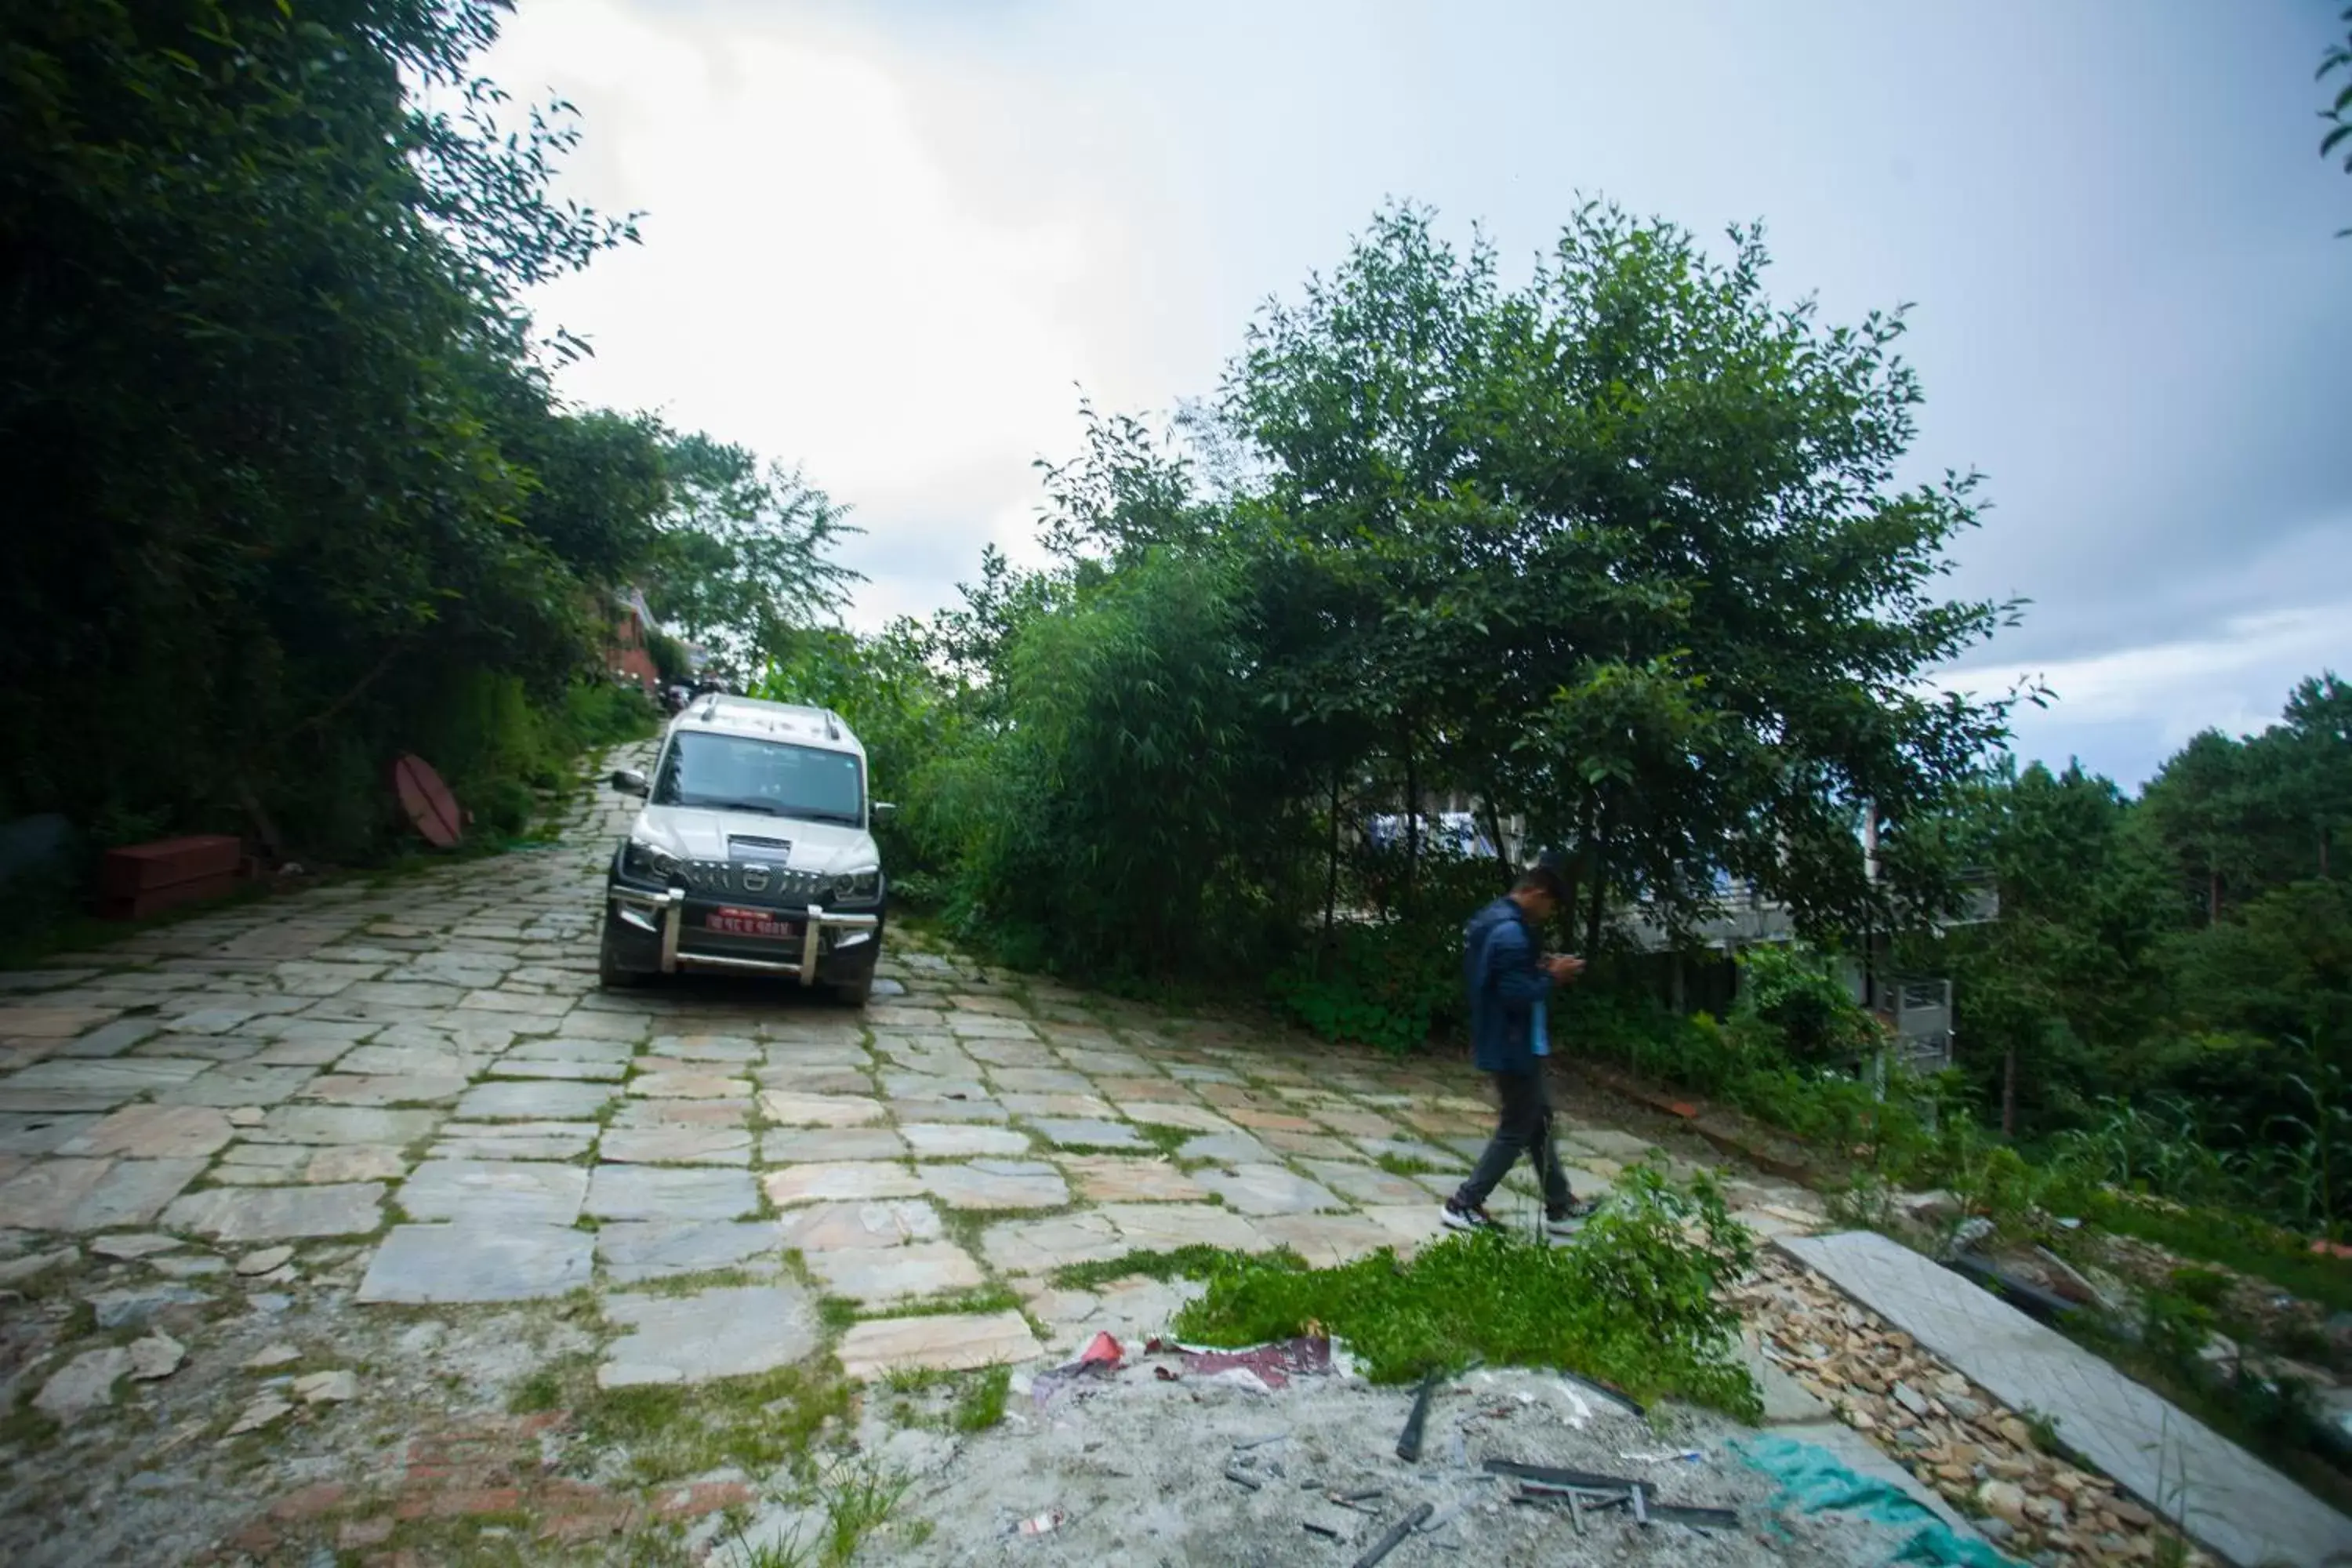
(377,1098)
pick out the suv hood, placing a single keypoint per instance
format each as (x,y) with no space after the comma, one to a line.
(703,833)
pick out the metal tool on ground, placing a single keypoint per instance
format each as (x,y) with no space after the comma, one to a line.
(1394,1535)
(1408,1447)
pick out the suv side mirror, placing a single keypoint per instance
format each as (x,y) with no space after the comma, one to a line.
(884,811)
(628,781)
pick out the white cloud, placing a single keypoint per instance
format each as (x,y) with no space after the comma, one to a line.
(2125,711)
(816,282)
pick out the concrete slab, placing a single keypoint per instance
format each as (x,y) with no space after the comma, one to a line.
(731,1332)
(494,1192)
(951,1341)
(450,1263)
(2240,1508)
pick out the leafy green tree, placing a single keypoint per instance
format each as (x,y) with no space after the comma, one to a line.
(743,560)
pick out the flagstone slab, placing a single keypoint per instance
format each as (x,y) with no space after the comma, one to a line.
(996,1184)
(1185,1115)
(344,1124)
(845,1052)
(988,1026)
(1042,1080)
(538,1101)
(497,1192)
(1326,1240)
(846,1180)
(1085,1132)
(452,1264)
(707,1048)
(1126,1087)
(800,1079)
(108,1080)
(731,1332)
(572,1048)
(406,1088)
(634,1250)
(72,1194)
(676,1145)
(1610,1143)
(682,1114)
(279,1214)
(1041,1246)
(2243,1509)
(958,1342)
(1116,1178)
(1010,1053)
(1228,1148)
(788,1108)
(1163,1227)
(514,1139)
(953,1141)
(669,1085)
(986,1110)
(571,1072)
(812,1145)
(1415,1150)
(34,1134)
(832,1228)
(438,1060)
(1408,1225)
(356,1163)
(869,1275)
(1058,1105)
(155,1132)
(669,1192)
(1365,1183)
(906,1084)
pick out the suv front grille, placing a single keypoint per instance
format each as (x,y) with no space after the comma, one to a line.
(751,878)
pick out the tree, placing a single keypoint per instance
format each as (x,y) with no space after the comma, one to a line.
(743,561)
(273,408)
(2338,112)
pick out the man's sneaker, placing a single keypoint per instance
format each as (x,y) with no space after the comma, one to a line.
(1568,1221)
(1458,1218)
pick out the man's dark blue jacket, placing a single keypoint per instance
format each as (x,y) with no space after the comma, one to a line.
(1498,965)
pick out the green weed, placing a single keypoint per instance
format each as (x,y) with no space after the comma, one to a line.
(1633,1303)
(981,1405)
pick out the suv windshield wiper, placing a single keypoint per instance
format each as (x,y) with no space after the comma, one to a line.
(765,807)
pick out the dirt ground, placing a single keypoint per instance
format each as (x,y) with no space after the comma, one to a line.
(1134,1470)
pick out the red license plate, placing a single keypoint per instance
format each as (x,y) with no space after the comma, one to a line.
(732,921)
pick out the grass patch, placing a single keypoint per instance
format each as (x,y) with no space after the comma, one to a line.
(1166,1139)
(980,1299)
(981,1405)
(2233,1241)
(26,1428)
(669,1431)
(837,1313)
(1406,1165)
(1184,1263)
(1631,1304)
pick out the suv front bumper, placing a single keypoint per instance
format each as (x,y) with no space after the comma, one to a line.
(648,933)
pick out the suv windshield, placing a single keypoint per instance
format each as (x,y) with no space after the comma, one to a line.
(740,774)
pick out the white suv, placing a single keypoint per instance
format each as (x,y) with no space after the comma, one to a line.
(753,852)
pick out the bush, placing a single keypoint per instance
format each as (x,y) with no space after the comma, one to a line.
(1631,1303)
(1789,994)
(1390,985)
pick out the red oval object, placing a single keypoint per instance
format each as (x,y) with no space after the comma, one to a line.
(427,802)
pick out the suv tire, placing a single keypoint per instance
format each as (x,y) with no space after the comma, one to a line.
(610,975)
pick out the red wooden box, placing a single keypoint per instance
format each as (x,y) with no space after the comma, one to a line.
(141,878)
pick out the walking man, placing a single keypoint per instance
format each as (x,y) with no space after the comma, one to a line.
(1509,985)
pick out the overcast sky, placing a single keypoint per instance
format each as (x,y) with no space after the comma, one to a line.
(891,241)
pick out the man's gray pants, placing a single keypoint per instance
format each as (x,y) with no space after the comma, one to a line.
(1525,1128)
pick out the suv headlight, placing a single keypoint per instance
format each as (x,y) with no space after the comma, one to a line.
(860,887)
(650,861)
